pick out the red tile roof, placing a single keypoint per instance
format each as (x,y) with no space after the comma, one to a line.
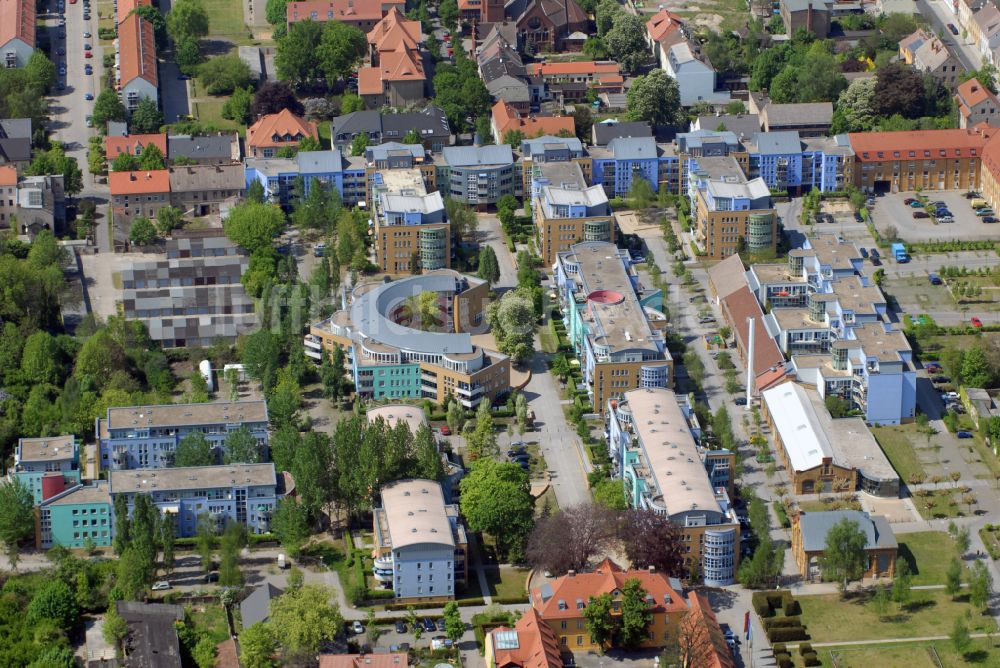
(137,49)
(341,10)
(537,645)
(507,118)
(133,144)
(284,123)
(704,645)
(395,30)
(972,92)
(400,65)
(125,7)
(580,67)
(570,591)
(663,23)
(740,305)
(363,661)
(881,146)
(8,175)
(17,21)
(139,182)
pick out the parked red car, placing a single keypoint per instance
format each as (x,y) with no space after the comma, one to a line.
(446,431)
(976,322)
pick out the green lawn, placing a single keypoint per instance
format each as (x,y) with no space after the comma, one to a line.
(897,443)
(911,655)
(940,504)
(225,21)
(830,618)
(507,581)
(832,504)
(211,618)
(928,553)
(208,109)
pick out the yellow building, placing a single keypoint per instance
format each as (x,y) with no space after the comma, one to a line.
(918,160)
(410,223)
(809,541)
(731,213)
(566,210)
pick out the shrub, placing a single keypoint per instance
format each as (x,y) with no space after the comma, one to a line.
(811,659)
(805,648)
(761,605)
(792,606)
(785,662)
(787,634)
(781,622)
(779,648)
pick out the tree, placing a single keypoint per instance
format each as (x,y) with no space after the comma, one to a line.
(194,450)
(429,463)
(661,547)
(837,406)
(205,541)
(489,268)
(274,96)
(296,59)
(257,644)
(237,107)
(448,11)
(569,539)
(167,543)
(455,416)
(233,540)
(224,74)
(154,16)
(460,92)
(640,195)
(108,107)
(253,226)
(902,584)
(168,219)
(898,90)
(844,555)
(187,19)
(976,371)
(454,627)
(512,320)
(595,48)
(980,585)
(241,447)
(513,138)
(54,601)
(654,98)
(880,601)
(496,499)
(626,41)
(125,162)
(115,627)
(481,441)
(291,524)
(351,102)
(600,624)
(143,232)
(41,360)
(960,534)
(306,618)
(636,615)
(953,578)
(122,525)
(605,15)
(152,158)
(959,636)
(55,161)
(340,49)
(812,75)
(855,107)
(146,118)
(188,56)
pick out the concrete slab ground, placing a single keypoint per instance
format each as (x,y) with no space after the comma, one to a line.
(895,510)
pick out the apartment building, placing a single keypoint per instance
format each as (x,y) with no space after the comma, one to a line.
(48,465)
(390,355)
(139,193)
(823,454)
(502,70)
(17,32)
(114,145)
(35,202)
(613,321)
(217,149)
(663,30)
(664,469)
(479,175)
(928,54)
(732,213)
(690,67)
(918,159)
(138,78)
(410,223)
(430,123)
(75,517)
(529,644)
(8,195)
(833,324)
(562,604)
(395,74)
(551,149)
(273,132)
(788,163)
(361,14)
(145,437)
(243,493)
(567,210)
(200,190)
(809,119)
(278,175)
(505,118)
(976,104)
(396,156)
(126,7)
(809,15)
(626,158)
(421,546)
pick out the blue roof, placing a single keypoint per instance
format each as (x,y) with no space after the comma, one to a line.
(319,162)
(470,156)
(633,148)
(784,142)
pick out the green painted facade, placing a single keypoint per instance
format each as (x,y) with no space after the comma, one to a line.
(70,524)
(33,481)
(394,381)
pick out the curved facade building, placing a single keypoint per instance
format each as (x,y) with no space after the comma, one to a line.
(394,354)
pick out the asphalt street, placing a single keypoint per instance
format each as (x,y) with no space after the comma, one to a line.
(939,14)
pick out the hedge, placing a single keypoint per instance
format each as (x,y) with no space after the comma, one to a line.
(785,663)
(781,622)
(811,659)
(504,600)
(805,648)
(786,634)
(779,648)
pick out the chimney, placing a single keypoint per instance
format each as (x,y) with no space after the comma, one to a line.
(652,569)
(570,573)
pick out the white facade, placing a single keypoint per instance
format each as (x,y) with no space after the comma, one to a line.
(695,79)
(16,53)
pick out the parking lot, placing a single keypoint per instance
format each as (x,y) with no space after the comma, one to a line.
(890,210)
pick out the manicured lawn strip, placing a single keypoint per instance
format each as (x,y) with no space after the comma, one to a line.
(910,655)
(225,19)
(947,503)
(829,618)
(897,443)
(928,553)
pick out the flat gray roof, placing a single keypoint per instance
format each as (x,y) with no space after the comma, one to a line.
(185,415)
(192,478)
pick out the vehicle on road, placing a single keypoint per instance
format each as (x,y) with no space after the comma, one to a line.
(741,401)
(446,430)
(319,250)
(934,279)
(952,28)
(858,218)
(211,577)
(88,96)
(357,627)
(87,47)
(864,252)
(932,367)
(61,51)
(88,54)
(899,253)
(161,585)
(985,211)
(963,434)
(440,624)
(86,34)
(90,121)
(706,319)
(990,219)
(87,69)
(921,214)
(908,201)
(400,626)
(916,204)
(976,322)
(939,379)
(429,625)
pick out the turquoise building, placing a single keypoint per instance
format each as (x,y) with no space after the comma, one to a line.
(47,466)
(71,518)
